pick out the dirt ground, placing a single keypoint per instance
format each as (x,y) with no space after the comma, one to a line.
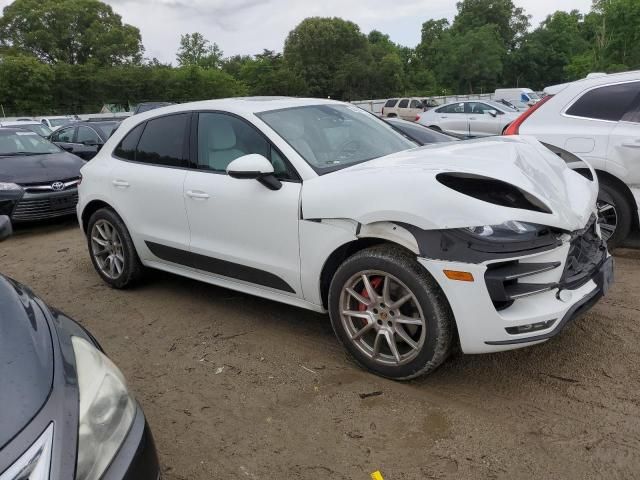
(239,387)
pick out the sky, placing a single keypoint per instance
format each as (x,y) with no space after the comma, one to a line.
(249,26)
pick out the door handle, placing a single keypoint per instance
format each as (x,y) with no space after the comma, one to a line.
(631,145)
(444,117)
(120,184)
(472,118)
(197,194)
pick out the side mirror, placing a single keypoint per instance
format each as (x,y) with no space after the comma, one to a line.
(5,227)
(493,113)
(254,167)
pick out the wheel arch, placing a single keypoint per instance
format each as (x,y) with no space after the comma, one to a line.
(92,207)
(624,189)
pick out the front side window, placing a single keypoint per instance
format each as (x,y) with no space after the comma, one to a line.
(64,135)
(163,141)
(331,137)
(606,103)
(453,108)
(478,108)
(416,104)
(223,138)
(404,103)
(87,136)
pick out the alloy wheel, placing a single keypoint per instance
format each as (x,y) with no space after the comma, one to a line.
(382,318)
(106,248)
(607,218)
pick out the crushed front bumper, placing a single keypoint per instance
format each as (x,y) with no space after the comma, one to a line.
(531,298)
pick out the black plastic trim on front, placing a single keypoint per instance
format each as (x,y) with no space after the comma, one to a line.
(219,267)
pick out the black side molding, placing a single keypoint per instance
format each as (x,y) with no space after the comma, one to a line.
(219,267)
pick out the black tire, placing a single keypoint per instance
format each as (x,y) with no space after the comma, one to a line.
(132,269)
(437,312)
(610,194)
(392,115)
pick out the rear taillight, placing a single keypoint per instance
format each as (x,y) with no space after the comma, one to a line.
(382,112)
(514,128)
(417,118)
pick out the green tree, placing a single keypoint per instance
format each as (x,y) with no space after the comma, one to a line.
(196,50)
(69,31)
(24,85)
(511,22)
(317,48)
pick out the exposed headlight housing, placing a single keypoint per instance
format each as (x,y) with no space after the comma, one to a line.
(9,186)
(511,230)
(106,410)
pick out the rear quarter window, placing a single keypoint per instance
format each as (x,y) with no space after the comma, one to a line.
(610,102)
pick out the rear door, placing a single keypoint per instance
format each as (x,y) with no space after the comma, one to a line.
(65,138)
(402,107)
(453,119)
(147,178)
(624,142)
(87,142)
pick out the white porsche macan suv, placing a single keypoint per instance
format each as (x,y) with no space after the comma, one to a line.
(318,204)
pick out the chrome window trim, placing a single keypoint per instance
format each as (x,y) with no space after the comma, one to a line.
(575,99)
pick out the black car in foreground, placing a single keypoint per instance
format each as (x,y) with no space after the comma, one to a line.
(420,134)
(38,180)
(65,410)
(84,139)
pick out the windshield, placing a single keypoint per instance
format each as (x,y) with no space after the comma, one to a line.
(331,137)
(59,122)
(503,105)
(24,143)
(107,128)
(41,130)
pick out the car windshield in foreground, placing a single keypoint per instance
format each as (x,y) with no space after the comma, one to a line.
(331,137)
(14,143)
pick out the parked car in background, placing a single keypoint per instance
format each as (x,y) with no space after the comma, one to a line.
(38,180)
(598,119)
(521,98)
(32,125)
(321,205)
(146,106)
(404,108)
(66,410)
(84,139)
(419,133)
(56,122)
(471,118)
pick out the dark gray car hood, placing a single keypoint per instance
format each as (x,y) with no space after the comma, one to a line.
(26,358)
(40,168)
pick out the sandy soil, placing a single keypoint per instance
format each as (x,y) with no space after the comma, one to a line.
(238,387)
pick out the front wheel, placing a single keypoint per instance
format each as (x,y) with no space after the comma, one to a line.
(390,314)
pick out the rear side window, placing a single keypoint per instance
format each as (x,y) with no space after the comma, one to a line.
(126,150)
(606,103)
(163,141)
(403,103)
(391,103)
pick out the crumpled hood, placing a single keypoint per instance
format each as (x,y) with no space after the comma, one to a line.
(403,187)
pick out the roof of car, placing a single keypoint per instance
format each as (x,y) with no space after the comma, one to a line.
(19,123)
(594,81)
(240,105)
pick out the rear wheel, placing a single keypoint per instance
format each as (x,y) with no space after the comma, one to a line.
(614,214)
(390,314)
(112,251)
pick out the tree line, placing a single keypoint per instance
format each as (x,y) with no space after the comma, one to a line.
(73,56)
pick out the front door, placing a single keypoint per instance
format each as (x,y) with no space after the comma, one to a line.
(481,122)
(240,229)
(453,119)
(146,184)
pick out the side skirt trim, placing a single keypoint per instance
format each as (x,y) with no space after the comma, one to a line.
(219,267)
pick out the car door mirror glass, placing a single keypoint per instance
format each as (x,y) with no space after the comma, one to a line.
(254,167)
(5,227)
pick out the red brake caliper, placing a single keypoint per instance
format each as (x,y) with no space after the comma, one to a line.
(375,283)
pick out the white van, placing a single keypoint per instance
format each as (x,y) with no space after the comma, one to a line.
(521,98)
